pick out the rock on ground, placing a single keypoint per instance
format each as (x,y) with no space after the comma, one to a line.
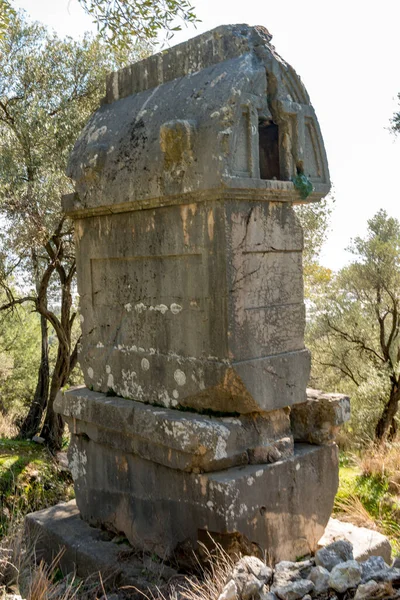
(365,542)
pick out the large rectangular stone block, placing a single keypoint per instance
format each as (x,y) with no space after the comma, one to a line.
(207,315)
(179,440)
(281,508)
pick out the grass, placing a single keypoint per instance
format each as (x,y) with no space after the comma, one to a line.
(30,479)
(369,491)
(213,575)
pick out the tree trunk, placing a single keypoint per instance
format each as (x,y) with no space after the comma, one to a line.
(53,426)
(33,419)
(386,426)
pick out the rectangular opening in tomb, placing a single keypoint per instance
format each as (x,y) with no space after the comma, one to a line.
(268,136)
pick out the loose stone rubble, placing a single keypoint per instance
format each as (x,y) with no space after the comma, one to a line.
(343,577)
(195,420)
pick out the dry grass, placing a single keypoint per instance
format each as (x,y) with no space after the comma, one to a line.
(214,573)
(353,511)
(20,573)
(383,461)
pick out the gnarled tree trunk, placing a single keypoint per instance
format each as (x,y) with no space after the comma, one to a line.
(31,424)
(386,427)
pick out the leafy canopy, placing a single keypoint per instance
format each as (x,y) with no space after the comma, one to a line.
(354,326)
(121,21)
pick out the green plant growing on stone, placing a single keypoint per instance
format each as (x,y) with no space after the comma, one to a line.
(303,185)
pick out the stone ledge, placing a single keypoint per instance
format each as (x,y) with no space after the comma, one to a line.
(88,550)
(318,420)
(177,439)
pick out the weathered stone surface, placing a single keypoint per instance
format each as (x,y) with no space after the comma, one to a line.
(373,568)
(88,550)
(293,590)
(334,554)
(365,542)
(189,262)
(230,591)
(176,439)
(320,578)
(318,420)
(203,289)
(193,126)
(247,581)
(345,575)
(372,589)
(291,579)
(281,507)
(149,342)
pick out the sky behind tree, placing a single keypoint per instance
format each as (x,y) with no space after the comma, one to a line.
(347,53)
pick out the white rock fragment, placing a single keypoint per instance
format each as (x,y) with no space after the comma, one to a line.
(345,576)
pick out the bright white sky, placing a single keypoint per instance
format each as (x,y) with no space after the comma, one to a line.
(347,53)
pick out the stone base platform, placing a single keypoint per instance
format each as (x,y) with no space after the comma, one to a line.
(280,508)
(89,550)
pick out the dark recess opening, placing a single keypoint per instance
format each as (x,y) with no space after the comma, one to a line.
(268,135)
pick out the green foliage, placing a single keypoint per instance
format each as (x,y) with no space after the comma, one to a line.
(6,12)
(19,358)
(315,220)
(120,21)
(30,480)
(354,324)
(366,496)
(303,185)
(48,89)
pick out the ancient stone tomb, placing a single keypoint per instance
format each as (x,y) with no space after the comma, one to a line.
(191,292)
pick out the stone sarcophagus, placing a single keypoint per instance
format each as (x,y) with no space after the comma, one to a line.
(189,260)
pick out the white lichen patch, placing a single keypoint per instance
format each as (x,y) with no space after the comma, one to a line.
(145,364)
(90,372)
(259,473)
(94,134)
(298,467)
(175,394)
(140,307)
(128,307)
(250,480)
(232,421)
(217,79)
(110,381)
(164,398)
(108,369)
(162,308)
(220,449)
(175,308)
(77,463)
(180,377)
(99,345)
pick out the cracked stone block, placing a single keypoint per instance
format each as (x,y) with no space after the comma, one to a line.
(319,419)
(281,508)
(197,301)
(180,440)
(189,268)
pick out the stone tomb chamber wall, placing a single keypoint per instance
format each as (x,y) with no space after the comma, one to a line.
(195,417)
